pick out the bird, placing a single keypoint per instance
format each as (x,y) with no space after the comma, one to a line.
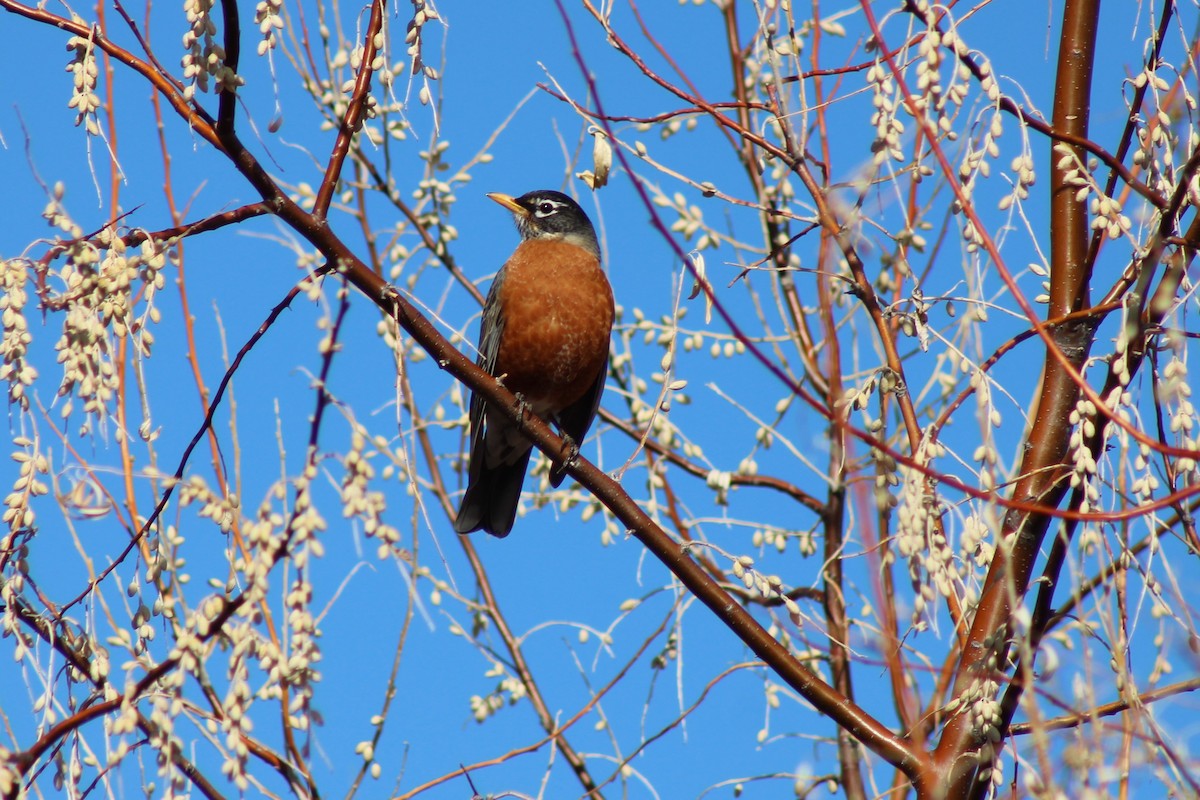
(545,336)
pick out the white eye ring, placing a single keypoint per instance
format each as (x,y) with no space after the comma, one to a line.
(546,208)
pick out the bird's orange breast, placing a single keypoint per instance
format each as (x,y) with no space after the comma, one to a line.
(557,310)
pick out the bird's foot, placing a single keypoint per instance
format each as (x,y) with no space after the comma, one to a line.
(524,408)
(567,457)
(570,451)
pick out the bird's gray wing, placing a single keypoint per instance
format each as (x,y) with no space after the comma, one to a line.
(576,419)
(491,327)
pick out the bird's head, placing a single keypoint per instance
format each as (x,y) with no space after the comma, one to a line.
(546,214)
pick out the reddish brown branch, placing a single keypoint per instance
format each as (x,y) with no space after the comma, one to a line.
(1044,466)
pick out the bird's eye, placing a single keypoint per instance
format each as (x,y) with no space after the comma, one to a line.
(546,208)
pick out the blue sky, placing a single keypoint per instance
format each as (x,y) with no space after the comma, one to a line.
(553,576)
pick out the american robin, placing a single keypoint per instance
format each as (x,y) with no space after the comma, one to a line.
(544,335)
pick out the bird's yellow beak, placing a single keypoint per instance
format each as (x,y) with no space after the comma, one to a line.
(509,203)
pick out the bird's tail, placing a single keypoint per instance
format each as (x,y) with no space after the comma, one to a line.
(490,502)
